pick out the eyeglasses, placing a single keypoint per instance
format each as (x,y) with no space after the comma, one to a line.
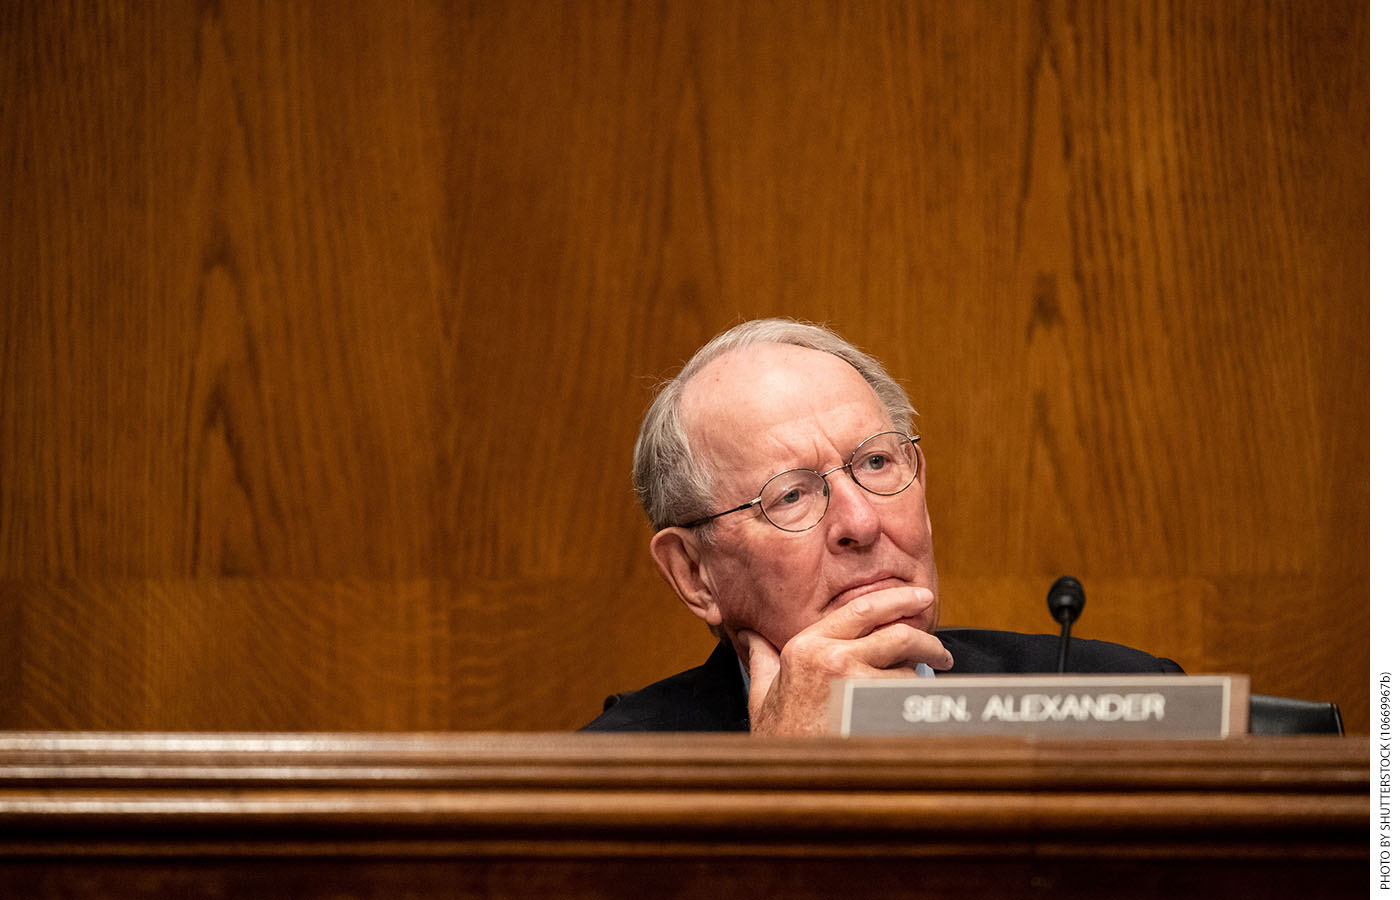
(795,500)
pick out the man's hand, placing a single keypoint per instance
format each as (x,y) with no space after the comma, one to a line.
(866,638)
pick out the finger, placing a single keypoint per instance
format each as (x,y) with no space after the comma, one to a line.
(762,662)
(870,611)
(902,646)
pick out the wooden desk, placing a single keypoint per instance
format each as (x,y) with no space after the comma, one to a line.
(543,815)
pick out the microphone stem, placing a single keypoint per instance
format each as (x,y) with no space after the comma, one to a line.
(1064,646)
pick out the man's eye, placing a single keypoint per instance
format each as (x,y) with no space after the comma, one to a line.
(875,462)
(788,492)
(790,498)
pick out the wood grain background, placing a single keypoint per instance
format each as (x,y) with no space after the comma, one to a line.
(327,328)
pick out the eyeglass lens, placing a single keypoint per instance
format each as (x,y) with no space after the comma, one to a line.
(796,500)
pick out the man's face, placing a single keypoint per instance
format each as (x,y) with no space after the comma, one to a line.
(758,411)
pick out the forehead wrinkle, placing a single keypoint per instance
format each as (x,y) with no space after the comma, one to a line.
(772,407)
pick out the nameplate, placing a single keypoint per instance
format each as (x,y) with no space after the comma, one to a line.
(1071,706)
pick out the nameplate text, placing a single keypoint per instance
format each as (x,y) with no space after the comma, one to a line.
(1078,706)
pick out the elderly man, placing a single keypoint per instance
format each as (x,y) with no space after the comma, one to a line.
(785,484)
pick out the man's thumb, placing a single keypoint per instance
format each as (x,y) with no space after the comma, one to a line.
(761,659)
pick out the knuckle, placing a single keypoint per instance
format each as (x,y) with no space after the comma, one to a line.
(814,655)
(832,658)
(797,646)
(800,651)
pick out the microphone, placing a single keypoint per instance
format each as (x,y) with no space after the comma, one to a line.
(1066,602)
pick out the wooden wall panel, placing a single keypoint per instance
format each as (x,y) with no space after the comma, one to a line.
(325,330)
(267,653)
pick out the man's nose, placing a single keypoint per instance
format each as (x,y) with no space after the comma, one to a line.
(855,522)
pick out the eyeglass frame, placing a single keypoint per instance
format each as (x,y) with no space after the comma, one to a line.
(758,501)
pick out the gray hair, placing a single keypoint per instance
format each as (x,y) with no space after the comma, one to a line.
(672,485)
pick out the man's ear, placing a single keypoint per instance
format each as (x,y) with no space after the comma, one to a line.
(680,558)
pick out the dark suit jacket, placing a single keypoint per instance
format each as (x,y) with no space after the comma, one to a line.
(711,697)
